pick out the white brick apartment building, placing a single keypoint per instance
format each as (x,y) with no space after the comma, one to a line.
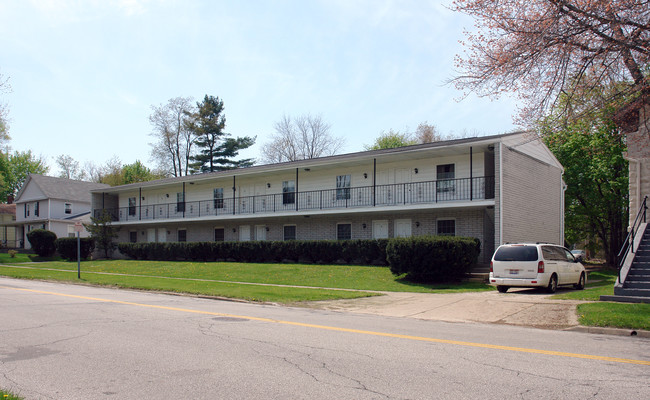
(502,188)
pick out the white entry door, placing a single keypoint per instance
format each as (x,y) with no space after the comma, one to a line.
(402,228)
(244,233)
(151,235)
(380,229)
(260,232)
(162,235)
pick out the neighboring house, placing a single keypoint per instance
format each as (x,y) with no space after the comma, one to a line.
(54,204)
(504,188)
(8,226)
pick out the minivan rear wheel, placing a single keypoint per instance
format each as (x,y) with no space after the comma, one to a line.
(552,284)
(502,289)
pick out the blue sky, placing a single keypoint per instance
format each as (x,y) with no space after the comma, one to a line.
(84,74)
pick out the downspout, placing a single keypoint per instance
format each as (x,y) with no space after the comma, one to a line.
(471,175)
(140,200)
(234,194)
(500,193)
(562,203)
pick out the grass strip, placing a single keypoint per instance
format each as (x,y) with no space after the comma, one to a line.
(229,290)
(599,283)
(616,315)
(352,277)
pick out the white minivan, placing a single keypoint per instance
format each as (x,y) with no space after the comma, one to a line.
(535,265)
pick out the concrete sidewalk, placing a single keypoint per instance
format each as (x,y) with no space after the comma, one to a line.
(523,307)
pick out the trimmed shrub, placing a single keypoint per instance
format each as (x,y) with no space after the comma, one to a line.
(42,242)
(432,259)
(67,247)
(364,252)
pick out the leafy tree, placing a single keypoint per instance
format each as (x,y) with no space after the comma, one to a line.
(14,169)
(103,232)
(216,149)
(174,142)
(43,242)
(391,140)
(542,48)
(596,199)
(137,172)
(301,138)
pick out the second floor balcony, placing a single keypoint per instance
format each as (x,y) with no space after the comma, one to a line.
(393,195)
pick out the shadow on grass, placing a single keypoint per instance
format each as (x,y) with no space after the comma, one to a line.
(462,285)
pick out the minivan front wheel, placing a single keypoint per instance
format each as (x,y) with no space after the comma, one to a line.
(502,289)
(581,283)
(552,284)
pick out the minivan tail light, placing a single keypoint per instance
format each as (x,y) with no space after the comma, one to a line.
(540,267)
(491,266)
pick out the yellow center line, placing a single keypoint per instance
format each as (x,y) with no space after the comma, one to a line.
(348,330)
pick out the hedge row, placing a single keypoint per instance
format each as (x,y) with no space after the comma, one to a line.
(42,242)
(361,252)
(67,247)
(432,258)
(421,259)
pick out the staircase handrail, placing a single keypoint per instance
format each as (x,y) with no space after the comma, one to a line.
(628,244)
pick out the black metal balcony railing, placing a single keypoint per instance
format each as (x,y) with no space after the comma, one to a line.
(368,196)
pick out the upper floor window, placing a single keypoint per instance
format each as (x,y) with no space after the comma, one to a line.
(343,187)
(26,210)
(218,198)
(131,205)
(36,209)
(288,192)
(180,202)
(445,175)
(67,208)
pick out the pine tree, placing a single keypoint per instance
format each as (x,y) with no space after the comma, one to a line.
(217,149)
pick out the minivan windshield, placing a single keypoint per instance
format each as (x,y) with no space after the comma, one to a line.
(516,253)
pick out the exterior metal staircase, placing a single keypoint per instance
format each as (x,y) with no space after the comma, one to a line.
(633,283)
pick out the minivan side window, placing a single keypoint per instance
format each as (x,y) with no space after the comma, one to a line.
(516,253)
(548,253)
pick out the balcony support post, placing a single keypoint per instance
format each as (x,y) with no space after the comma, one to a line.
(140,211)
(471,176)
(374,182)
(296,189)
(183,199)
(234,190)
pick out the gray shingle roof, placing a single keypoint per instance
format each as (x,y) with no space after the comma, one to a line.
(62,188)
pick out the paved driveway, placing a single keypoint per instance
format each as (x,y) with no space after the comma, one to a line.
(523,307)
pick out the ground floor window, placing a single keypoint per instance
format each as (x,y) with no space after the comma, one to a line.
(289,232)
(182,235)
(133,236)
(343,231)
(219,234)
(447,227)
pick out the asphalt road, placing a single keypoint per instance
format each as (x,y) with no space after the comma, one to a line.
(62,341)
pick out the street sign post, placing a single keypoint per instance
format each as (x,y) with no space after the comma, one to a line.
(78,227)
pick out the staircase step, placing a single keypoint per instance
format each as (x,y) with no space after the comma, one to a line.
(638,277)
(620,291)
(626,299)
(634,284)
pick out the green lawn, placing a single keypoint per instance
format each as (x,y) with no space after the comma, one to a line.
(151,275)
(617,315)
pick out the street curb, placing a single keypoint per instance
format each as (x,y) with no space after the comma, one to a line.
(610,331)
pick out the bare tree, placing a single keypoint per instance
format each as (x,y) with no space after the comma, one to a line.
(427,133)
(301,138)
(4,115)
(70,168)
(173,147)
